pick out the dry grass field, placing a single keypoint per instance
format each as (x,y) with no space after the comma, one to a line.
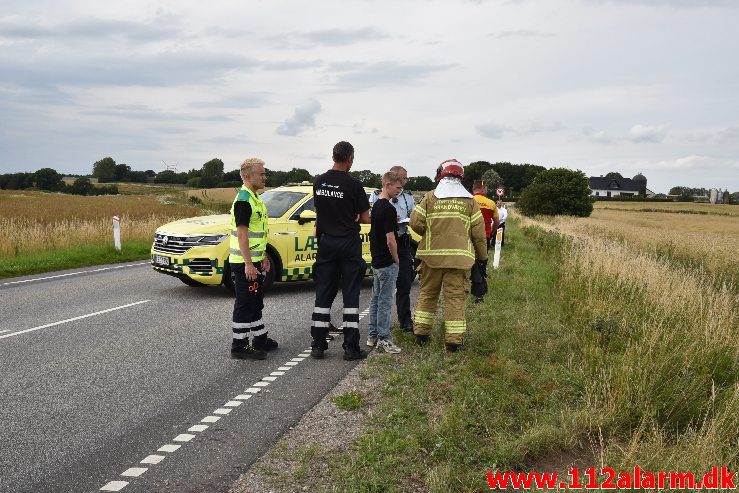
(653,298)
(34,221)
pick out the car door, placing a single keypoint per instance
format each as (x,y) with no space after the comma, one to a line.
(302,250)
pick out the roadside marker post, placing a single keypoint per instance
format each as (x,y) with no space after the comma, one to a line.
(117,232)
(496,255)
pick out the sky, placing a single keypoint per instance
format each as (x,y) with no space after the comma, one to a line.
(634,86)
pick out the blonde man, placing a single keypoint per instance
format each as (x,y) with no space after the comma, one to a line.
(249,263)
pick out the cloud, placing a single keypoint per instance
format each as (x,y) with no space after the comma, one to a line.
(357,76)
(647,133)
(162,27)
(303,119)
(497,131)
(674,3)
(721,136)
(284,65)
(339,37)
(144,112)
(599,136)
(695,162)
(235,102)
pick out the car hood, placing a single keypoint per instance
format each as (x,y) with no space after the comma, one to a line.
(219,223)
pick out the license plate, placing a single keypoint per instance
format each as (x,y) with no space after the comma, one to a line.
(161,260)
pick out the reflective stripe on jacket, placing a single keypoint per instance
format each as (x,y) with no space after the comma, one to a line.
(452,232)
(257,228)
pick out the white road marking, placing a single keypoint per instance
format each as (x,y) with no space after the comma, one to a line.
(292,363)
(73,274)
(277,373)
(168,448)
(198,428)
(222,411)
(297,360)
(252,390)
(232,404)
(269,379)
(6,330)
(153,459)
(134,472)
(184,437)
(284,368)
(304,355)
(73,319)
(261,384)
(114,486)
(210,419)
(242,397)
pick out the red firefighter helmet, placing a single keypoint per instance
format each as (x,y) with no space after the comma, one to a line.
(450,167)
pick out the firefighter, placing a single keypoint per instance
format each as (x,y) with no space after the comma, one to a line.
(247,257)
(341,205)
(453,238)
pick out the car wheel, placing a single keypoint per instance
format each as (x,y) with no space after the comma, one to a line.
(191,282)
(228,277)
(269,279)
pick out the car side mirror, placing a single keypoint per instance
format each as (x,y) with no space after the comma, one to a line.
(306,216)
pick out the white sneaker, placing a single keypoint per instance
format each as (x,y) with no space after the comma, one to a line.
(387,346)
(371,341)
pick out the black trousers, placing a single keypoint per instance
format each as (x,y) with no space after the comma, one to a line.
(339,260)
(405,279)
(247,316)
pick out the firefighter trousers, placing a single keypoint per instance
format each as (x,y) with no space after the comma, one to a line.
(339,259)
(247,315)
(450,283)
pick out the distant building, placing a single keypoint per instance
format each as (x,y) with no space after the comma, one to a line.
(602,186)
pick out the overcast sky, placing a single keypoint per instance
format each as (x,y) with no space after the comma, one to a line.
(598,85)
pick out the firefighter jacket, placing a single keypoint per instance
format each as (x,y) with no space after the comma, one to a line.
(452,232)
(257,228)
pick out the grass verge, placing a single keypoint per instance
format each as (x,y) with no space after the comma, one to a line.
(506,401)
(72,258)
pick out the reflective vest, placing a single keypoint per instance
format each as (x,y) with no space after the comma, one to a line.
(257,228)
(452,230)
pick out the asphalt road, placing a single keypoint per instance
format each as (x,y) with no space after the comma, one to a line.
(119,378)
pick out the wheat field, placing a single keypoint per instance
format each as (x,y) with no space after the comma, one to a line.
(34,221)
(653,297)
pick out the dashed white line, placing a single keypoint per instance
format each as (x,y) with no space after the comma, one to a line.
(152,459)
(284,368)
(198,428)
(73,274)
(243,397)
(261,384)
(184,437)
(210,419)
(222,411)
(253,390)
(168,448)
(297,360)
(114,486)
(277,373)
(73,319)
(232,404)
(269,379)
(292,363)
(134,472)
(6,330)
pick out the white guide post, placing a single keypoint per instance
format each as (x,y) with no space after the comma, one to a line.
(117,232)
(496,255)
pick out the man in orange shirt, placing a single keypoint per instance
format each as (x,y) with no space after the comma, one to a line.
(488,209)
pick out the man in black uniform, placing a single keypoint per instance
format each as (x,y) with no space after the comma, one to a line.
(341,205)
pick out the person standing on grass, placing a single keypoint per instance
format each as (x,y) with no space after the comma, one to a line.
(503,213)
(248,246)
(341,205)
(385,263)
(487,208)
(404,205)
(452,238)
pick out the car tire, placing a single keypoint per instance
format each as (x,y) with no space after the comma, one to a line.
(228,277)
(191,282)
(269,279)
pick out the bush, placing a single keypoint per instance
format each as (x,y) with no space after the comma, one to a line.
(194,182)
(557,191)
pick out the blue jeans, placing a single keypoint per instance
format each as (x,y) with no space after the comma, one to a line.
(380,309)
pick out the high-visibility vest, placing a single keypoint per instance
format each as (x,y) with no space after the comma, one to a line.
(257,228)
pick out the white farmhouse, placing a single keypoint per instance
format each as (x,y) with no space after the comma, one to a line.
(603,186)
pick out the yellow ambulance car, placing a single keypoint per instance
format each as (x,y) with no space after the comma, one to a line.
(195,250)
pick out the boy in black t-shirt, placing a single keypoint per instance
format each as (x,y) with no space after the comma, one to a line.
(384,249)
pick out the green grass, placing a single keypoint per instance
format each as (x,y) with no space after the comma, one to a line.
(505,401)
(72,258)
(351,401)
